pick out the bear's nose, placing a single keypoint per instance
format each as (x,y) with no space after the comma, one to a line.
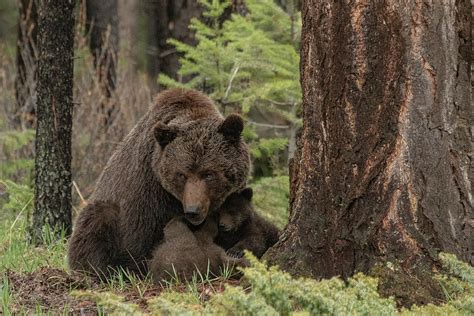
(192,210)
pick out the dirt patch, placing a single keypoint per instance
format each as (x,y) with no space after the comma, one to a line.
(48,289)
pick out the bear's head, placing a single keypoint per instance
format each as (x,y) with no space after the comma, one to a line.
(236,210)
(201,163)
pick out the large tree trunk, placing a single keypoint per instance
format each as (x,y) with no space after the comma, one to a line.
(384,166)
(53,132)
(26,57)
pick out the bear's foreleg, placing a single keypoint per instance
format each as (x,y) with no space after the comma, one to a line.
(95,246)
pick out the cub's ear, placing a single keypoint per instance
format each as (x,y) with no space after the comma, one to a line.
(232,127)
(247,193)
(164,134)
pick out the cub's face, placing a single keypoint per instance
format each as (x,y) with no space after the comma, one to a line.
(235,210)
(201,163)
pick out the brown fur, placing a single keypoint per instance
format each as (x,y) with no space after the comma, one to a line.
(99,227)
(181,145)
(241,228)
(183,252)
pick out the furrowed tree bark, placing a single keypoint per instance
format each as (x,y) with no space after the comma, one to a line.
(26,62)
(384,166)
(53,132)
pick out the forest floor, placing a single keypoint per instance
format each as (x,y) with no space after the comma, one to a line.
(36,280)
(46,289)
(53,290)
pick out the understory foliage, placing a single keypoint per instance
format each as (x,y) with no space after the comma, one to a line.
(16,170)
(269,291)
(271,195)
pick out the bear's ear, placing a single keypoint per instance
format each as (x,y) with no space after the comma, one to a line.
(164,134)
(247,193)
(232,127)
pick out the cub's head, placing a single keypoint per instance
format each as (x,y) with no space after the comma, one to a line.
(236,210)
(201,163)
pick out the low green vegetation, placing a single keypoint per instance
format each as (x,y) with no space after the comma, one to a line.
(269,291)
(262,290)
(270,199)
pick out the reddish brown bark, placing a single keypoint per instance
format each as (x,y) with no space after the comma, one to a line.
(384,166)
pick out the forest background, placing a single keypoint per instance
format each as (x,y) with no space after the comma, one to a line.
(246,56)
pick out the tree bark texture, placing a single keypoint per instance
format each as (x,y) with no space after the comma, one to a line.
(168,19)
(128,12)
(26,62)
(384,166)
(103,26)
(53,132)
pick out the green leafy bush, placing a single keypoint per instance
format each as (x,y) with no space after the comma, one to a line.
(16,155)
(457,281)
(270,199)
(20,197)
(273,292)
(16,169)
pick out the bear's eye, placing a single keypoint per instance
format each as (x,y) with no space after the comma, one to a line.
(181,176)
(208,176)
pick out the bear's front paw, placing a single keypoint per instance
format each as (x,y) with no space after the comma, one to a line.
(235,252)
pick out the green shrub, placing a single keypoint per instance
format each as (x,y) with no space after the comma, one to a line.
(16,155)
(20,197)
(335,297)
(271,197)
(273,292)
(234,300)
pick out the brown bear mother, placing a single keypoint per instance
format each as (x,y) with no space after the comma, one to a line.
(182,157)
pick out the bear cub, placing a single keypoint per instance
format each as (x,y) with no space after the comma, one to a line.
(183,251)
(240,227)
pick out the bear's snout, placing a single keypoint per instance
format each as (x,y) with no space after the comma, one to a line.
(195,201)
(194,214)
(192,210)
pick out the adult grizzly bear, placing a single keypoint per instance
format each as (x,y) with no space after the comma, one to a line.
(182,157)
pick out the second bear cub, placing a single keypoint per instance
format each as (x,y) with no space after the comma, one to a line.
(183,251)
(241,228)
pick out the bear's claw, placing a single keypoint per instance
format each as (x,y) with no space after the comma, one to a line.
(235,253)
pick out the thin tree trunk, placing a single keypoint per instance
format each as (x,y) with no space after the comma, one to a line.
(53,132)
(102,25)
(128,12)
(26,61)
(384,166)
(168,19)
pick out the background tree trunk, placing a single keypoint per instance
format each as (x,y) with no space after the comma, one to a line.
(53,132)
(102,25)
(384,166)
(168,19)
(26,61)
(128,12)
